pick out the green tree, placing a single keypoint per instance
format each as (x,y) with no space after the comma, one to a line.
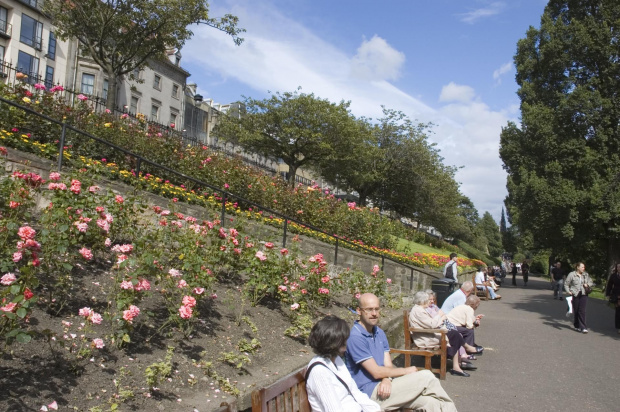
(489,229)
(562,161)
(123,35)
(360,168)
(300,129)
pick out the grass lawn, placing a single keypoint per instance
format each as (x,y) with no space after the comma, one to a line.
(407,246)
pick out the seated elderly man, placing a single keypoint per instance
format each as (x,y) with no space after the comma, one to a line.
(420,318)
(458,297)
(482,284)
(465,320)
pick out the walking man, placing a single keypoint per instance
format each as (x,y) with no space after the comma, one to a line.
(450,270)
(557,280)
(514,274)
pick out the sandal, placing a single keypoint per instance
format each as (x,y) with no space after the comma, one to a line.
(472,357)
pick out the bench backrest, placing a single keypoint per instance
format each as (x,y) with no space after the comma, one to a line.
(286,395)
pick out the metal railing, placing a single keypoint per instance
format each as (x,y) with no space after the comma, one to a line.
(225,196)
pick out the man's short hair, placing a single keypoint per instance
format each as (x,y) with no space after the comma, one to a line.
(468,286)
(420,298)
(453,255)
(328,335)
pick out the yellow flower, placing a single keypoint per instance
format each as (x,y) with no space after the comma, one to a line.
(26,100)
(107,124)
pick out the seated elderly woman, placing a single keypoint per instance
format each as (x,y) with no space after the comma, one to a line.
(433,309)
(420,318)
(465,320)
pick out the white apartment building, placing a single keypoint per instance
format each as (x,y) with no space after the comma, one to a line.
(28,43)
(157,92)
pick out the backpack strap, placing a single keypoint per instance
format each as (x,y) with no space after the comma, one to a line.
(339,378)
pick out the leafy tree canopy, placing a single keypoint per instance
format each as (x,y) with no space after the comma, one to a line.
(122,35)
(562,161)
(300,129)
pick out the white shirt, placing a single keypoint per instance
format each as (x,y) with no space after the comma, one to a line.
(327,394)
(479,278)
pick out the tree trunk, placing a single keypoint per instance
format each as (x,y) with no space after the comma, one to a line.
(362,197)
(111,100)
(613,253)
(292,172)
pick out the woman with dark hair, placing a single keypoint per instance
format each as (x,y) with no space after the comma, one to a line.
(575,285)
(328,381)
(612,291)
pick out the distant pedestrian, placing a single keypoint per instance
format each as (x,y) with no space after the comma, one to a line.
(612,290)
(514,274)
(576,284)
(557,280)
(525,271)
(450,270)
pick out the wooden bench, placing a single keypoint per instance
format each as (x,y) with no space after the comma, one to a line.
(484,292)
(412,350)
(286,395)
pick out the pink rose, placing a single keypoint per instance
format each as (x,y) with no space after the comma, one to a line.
(269,245)
(185,312)
(85,311)
(54,176)
(8,279)
(189,301)
(127,285)
(98,343)
(199,291)
(86,253)
(174,273)
(95,318)
(8,307)
(26,232)
(261,256)
(17,256)
(284,251)
(295,306)
(182,283)
(119,199)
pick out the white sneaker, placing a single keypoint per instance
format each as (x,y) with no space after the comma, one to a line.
(577,330)
(584,331)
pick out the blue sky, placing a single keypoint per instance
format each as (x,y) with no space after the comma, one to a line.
(448,62)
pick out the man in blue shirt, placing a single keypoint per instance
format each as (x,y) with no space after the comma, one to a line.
(369,362)
(457,298)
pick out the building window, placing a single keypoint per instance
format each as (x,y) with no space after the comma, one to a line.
(136,74)
(49,76)
(175,91)
(154,112)
(88,84)
(51,47)
(2,51)
(106,85)
(28,65)
(31,32)
(4,21)
(133,108)
(173,119)
(157,82)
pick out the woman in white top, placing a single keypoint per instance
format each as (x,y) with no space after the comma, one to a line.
(329,384)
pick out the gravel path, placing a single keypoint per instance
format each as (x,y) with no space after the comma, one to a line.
(535,361)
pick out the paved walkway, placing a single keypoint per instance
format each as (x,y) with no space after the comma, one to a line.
(535,361)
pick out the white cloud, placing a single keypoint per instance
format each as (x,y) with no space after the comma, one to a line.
(453,92)
(475,15)
(279,54)
(497,74)
(377,60)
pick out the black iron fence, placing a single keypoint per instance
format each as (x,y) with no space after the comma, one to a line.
(225,196)
(13,74)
